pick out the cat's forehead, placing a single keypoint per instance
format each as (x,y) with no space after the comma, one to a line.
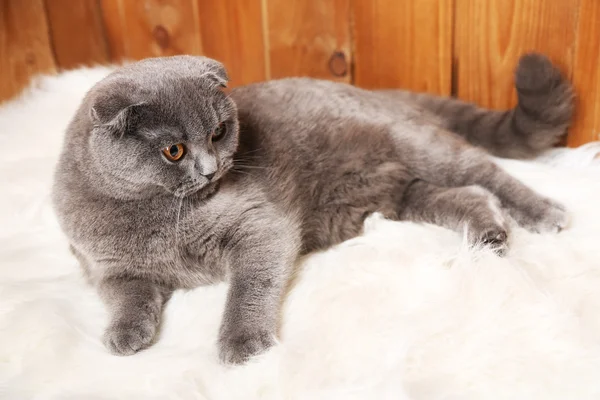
(188,118)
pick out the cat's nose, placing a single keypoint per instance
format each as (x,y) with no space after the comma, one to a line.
(209,176)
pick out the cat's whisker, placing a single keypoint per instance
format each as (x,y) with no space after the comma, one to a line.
(173,207)
(177,222)
(240,170)
(250,151)
(228,96)
(241,161)
(192,213)
(249,158)
(252,166)
(243,172)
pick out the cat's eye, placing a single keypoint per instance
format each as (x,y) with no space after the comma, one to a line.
(219,132)
(175,152)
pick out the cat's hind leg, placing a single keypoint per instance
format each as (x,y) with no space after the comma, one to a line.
(470,208)
(443,159)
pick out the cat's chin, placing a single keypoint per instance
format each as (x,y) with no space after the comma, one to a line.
(198,192)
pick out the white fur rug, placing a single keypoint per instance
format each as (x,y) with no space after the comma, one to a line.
(404,312)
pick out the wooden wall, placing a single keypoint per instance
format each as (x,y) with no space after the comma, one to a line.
(466,48)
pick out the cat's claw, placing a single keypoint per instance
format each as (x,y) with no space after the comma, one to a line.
(494,237)
(240,347)
(497,240)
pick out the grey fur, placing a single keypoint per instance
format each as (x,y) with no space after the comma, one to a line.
(302,164)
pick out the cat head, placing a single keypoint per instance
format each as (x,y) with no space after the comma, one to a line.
(163,125)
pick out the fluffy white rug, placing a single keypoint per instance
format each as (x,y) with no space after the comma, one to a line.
(405,311)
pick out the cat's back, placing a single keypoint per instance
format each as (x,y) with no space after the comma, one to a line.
(295,99)
(299,108)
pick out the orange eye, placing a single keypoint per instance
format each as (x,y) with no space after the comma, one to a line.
(174,152)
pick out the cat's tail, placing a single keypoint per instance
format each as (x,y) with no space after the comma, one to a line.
(541,117)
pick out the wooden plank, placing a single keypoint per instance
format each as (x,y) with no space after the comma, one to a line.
(491,35)
(309,38)
(77,32)
(586,75)
(114,29)
(25,48)
(403,43)
(232,33)
(151,28)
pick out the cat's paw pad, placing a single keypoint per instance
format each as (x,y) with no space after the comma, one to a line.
(239,347)
(125,338)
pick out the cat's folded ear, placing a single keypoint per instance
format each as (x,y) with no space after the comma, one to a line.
(115,113)
(213,70)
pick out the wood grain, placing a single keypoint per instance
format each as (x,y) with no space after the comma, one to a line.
(232,32)
(114,22)
(25,48)
(77,32)
(403,43)
(151,28)
(491,35)
(309,38)
(586,75)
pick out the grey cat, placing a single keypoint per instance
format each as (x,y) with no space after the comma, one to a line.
(166,182)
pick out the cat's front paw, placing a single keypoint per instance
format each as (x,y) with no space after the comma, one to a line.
(239,346)
(125,338)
